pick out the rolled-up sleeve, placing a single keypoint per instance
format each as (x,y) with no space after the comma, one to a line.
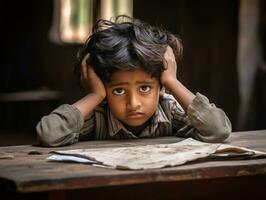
(60,127)
(210,122)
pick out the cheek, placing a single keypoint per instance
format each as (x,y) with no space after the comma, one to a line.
(115,105)
(151,102)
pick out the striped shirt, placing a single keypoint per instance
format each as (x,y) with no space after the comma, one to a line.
(203,121)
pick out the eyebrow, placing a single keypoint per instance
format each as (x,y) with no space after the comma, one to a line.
(126,83)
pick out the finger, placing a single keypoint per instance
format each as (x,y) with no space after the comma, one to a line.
(168,52)
(166,57)
(84,68)
(90,71)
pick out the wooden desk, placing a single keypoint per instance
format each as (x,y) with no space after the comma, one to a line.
(27,175)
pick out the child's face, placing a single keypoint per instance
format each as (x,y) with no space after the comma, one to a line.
(133,96)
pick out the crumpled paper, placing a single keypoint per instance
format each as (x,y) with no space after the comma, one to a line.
(160,155)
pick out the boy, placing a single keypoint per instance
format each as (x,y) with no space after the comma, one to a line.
(125,65)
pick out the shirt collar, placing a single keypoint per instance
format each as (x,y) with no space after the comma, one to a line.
(114,125)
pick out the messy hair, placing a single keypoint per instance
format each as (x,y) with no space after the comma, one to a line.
(124,43)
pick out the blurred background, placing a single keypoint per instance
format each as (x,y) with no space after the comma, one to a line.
(224,54)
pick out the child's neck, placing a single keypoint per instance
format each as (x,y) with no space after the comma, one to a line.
(136,130)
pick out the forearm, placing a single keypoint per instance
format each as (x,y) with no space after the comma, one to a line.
(180,92)
(60,127)
(88,103)
(211,122)
(63,125)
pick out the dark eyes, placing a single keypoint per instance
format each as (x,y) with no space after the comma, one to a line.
(145,88)
(121,91)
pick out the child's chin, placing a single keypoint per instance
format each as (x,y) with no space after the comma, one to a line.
(135,123)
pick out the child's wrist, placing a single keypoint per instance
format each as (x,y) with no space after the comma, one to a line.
(97,96)
(170,83)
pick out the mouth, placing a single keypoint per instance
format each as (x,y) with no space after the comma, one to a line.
(135,115)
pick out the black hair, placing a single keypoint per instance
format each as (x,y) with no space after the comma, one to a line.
(124,44)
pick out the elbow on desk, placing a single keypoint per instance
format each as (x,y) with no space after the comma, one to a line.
(217,134)
(221,135)
(219,128)
(47,133)
(44,135)
(224,130)
(54,134)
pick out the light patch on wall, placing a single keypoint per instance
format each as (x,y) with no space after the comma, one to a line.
(111,8)
(72,21)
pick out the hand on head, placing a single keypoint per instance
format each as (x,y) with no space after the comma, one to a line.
(89,79)
(170,66)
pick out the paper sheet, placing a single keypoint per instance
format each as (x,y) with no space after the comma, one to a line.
(155,156)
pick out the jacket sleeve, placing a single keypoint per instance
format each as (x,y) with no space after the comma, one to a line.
(206,122)
(60,127)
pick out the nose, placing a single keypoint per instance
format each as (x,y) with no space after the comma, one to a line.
(133,102)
